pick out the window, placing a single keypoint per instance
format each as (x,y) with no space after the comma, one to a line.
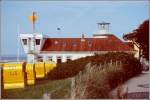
(74,44)
(37,41)
(68,58)
(50,58)
(40,58)
(89,44)
(24,41)
(59,59)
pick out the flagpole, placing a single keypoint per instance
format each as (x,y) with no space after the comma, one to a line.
(33,18)
(0,45)
(18,50)
(33,22)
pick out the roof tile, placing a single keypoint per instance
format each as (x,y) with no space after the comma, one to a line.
(111,43)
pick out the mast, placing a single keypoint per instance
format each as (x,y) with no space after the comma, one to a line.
(18,51)
(33,19)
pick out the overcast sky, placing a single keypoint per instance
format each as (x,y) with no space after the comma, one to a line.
(72,17)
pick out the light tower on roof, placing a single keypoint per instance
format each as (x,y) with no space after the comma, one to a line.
(103,26)
(103,30)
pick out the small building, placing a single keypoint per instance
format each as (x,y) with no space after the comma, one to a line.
(42,48)
(130,38)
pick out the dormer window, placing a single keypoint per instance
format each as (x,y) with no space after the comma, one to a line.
(89,44)
(24,41)
(56,42)
(74,44)
(37,41)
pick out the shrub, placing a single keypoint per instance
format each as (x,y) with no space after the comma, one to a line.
(69,69)
(105,72)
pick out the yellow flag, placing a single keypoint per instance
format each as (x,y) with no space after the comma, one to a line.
(33,18)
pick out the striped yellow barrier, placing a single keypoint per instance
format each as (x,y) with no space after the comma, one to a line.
(13,75)
(30,70)
(40,70)
(49,66)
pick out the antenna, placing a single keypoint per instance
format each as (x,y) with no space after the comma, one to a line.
(0,46)
(18,50)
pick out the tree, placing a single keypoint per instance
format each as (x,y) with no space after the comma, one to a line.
(141,37)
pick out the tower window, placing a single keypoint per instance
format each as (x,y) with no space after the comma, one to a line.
(24,41)
(37,41)
(40,58)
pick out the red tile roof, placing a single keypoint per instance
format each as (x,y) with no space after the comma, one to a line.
(130,44)
(111,43)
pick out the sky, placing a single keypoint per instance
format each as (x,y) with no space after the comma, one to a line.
(74,18)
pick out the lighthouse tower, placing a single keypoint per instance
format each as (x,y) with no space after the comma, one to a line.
(103,30)
(32,43)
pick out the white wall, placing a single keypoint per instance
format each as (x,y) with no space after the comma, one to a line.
(137,51)
(31,58)
(31,45)
(64,55)
(32,48)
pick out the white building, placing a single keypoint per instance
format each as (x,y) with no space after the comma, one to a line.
(42,48)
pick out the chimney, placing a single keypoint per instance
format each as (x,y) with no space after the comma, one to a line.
(83,38)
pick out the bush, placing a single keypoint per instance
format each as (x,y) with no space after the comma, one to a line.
(69,69)
(105,72)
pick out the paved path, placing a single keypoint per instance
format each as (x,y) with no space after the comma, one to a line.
(138,87)
(139,83)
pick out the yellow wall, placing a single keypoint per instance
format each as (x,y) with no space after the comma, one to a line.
(137,51)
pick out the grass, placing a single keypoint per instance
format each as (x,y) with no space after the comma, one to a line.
(63,93)
(37,91)
(97,81)
(99,78)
